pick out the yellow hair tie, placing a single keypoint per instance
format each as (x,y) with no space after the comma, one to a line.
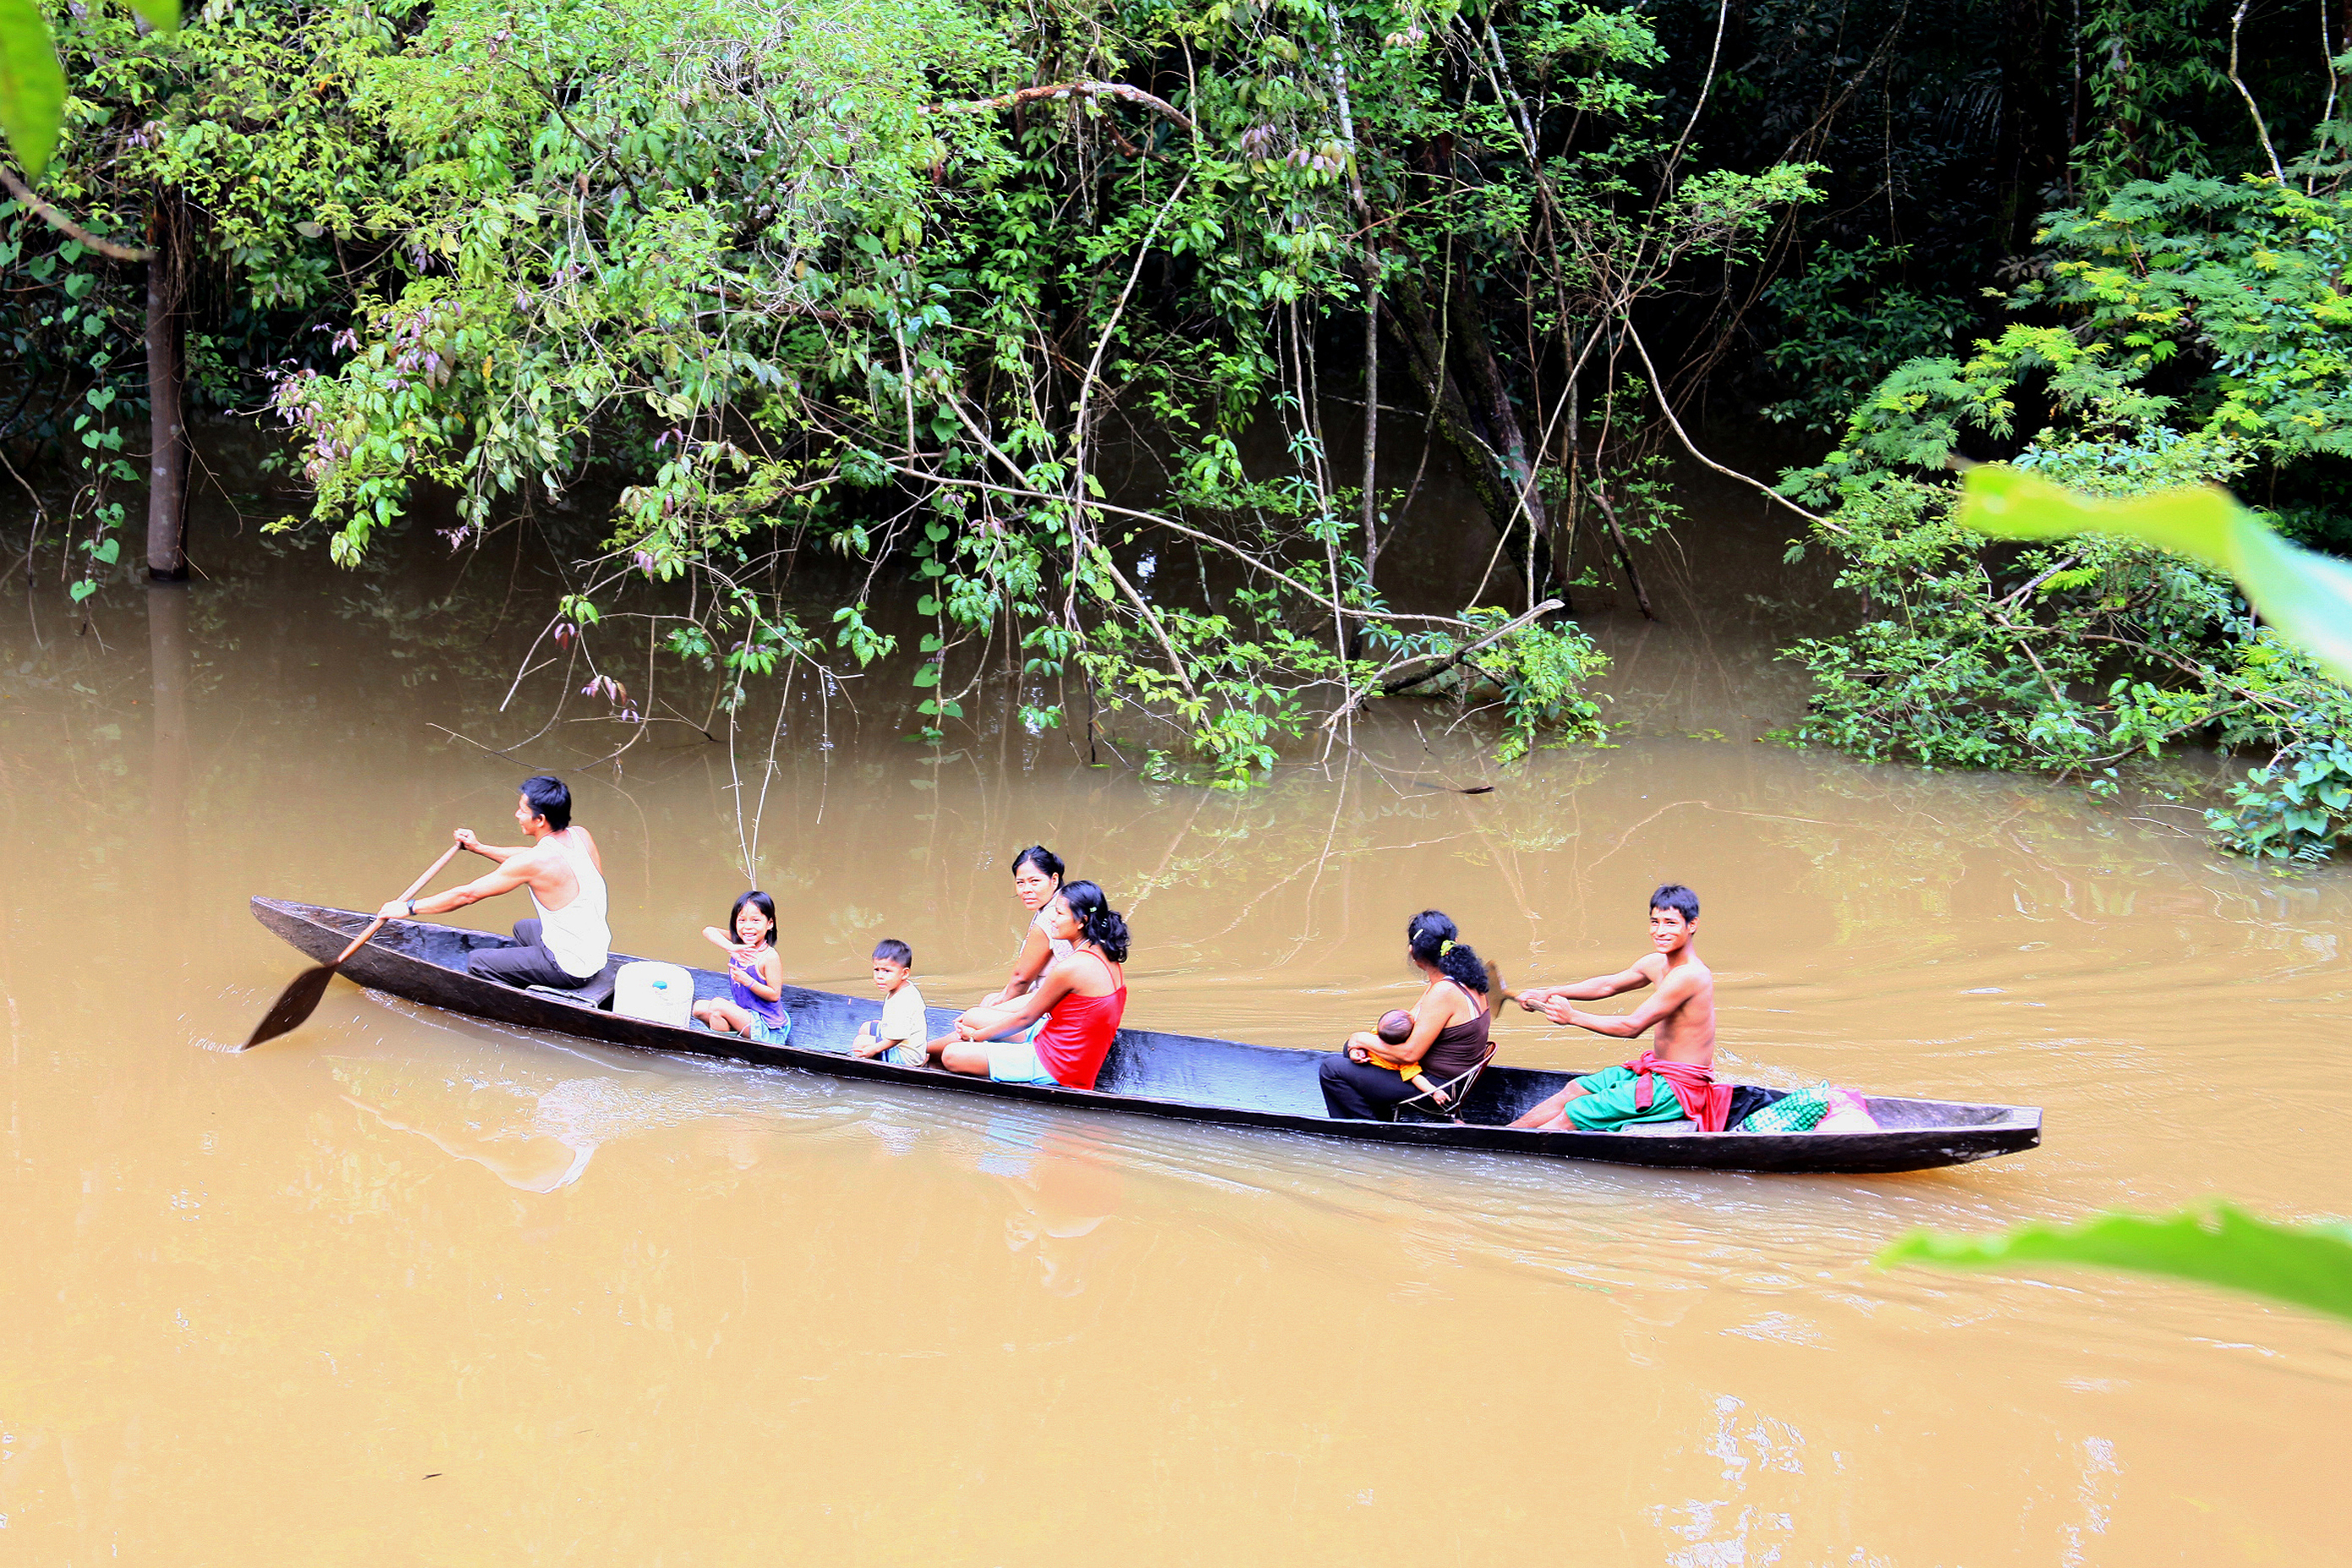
(1445,947)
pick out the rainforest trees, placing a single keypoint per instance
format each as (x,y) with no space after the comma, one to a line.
(899,279)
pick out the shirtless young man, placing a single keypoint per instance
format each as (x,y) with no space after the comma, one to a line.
(1679,1069)
(568,944)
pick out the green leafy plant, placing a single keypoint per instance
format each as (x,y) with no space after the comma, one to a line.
(1848,325)
(2187,333)
(2294,807)
(2297,805)
(1543,674)
(2307,1266)
(2304,595)
(33,84)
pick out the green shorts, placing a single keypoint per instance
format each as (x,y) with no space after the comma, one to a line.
(1607,1103)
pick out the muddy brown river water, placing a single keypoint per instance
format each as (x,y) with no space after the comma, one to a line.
(407,1288)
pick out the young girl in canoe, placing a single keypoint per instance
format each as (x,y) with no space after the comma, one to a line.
(755,975)
(1081,999)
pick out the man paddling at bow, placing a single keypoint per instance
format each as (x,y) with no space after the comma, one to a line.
(1676,1077)
(567,945)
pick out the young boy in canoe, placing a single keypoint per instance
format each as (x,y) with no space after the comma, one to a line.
(1675,1079)
(898,1037)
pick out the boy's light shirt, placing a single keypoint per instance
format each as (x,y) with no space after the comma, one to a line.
(902,1016)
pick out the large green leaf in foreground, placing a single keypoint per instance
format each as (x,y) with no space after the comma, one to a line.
(32,83)
(32,86)
(2309,1266)
(2304,597)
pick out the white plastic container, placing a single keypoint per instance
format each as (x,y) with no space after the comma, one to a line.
(657,992)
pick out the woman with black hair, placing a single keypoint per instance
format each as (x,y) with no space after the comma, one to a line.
(1449,1028)
(1081,999)
(1036,878)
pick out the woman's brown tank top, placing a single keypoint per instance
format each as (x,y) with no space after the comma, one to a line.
(1458,1046)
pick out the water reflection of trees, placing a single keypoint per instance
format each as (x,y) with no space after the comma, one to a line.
(1894,842)
(240,699)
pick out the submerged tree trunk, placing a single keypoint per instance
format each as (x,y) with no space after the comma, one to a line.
(167,472)
(1372,413)
(1424,345)
(1624,551)
(167,773)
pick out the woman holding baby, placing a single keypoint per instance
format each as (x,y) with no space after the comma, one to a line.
(1377,1072)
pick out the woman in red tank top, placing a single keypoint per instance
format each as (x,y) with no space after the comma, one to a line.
(1085,992)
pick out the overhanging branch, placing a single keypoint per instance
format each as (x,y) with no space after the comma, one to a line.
(1667,408)
(1068,89)
(66,226)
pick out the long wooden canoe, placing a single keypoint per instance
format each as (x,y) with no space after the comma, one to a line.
(1184,1076)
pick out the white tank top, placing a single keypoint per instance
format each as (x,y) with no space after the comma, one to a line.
(576,933)
(1062,948)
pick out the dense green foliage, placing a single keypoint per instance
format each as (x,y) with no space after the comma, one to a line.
(2187,331)
(1036,314)
(241,117)
(854,275)
(33,80)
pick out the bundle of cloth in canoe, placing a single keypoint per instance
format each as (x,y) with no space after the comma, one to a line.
(1055,1019)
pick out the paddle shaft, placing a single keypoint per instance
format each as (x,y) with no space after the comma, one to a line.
(431,872)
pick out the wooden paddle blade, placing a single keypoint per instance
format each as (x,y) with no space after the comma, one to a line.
(295,1004)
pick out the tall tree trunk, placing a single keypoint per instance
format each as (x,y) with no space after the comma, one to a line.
(1372,262)
(2037,51)
(1504,432)
(1372,411)
(1494,392)
(1416,329)
(167,473)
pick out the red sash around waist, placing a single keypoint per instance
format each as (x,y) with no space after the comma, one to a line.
(1703,1100)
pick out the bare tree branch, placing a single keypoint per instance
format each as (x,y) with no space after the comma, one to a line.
(65,225)
(2237,21)
(1067,90)
(1689,446)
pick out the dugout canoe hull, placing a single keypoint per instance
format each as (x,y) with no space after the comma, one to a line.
(1183,1077)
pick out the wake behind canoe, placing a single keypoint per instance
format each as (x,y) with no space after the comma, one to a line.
(1180,1077)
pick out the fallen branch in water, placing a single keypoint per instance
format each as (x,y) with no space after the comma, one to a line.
(1461,655)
